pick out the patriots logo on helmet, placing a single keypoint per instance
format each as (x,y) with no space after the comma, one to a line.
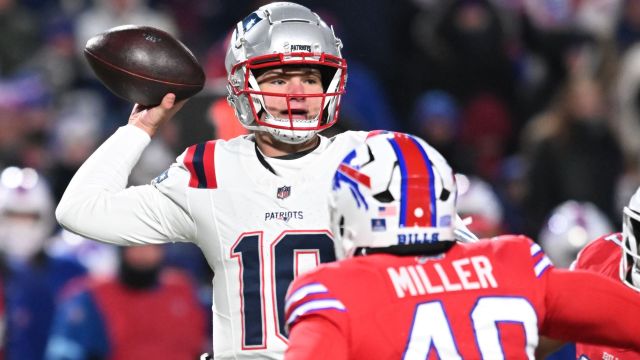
(250,21)
(306,48)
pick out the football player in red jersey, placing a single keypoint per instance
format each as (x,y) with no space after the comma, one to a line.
(410,291)
(615,256)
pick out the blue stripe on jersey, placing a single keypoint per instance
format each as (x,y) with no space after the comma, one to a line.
(535,249)
(198,165)
(432,189)
(542,265)
(313,306)
(301,293)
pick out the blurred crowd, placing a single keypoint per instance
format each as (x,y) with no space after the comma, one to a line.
(535,103)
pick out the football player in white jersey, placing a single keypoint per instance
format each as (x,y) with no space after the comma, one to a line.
(256,205)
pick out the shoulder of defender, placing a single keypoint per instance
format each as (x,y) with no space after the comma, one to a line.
(507,242)
(599,251)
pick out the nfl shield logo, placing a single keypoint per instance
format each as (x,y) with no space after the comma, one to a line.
(284,192)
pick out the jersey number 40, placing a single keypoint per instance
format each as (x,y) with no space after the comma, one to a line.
(431,328)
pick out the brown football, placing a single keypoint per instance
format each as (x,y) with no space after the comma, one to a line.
(142,64)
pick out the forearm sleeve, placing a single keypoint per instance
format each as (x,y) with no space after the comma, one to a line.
(97,204)
(587,307)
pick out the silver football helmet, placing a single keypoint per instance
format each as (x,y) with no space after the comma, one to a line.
(630,262)
(392,190)
(276,35)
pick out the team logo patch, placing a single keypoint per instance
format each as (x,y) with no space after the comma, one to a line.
(283,192)
(378,225)
(445,220)
(250,21)
(295,48)
(283,215)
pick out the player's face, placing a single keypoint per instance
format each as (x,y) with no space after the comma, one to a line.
(143,257)
(296,80)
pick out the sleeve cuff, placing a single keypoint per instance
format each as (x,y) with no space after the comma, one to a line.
(135,132)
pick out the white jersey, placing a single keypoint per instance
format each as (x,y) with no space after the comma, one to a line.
(257,230)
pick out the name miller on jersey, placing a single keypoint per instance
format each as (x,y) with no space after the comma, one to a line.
(471,273)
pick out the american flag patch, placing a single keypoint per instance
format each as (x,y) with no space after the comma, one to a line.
(387,211)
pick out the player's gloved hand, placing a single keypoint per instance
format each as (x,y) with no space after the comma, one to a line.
(150,119)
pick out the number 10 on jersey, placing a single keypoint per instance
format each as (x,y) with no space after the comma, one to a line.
(290,255)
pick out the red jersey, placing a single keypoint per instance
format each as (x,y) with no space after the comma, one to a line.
(164,323)
(603,256)
(488,300)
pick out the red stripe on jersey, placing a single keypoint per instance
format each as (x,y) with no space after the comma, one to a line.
(355,175)
(209,164)
(417,179)
(188,162)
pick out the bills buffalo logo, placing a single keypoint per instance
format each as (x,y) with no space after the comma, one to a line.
(283,192)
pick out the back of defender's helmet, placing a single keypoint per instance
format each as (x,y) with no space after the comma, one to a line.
(394,189)
(276,35)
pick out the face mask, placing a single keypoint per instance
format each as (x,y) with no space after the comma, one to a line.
(635,277)
(21,240)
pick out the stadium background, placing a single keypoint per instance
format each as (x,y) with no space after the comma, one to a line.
(535,101)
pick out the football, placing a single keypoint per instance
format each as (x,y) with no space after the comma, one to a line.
(141,64)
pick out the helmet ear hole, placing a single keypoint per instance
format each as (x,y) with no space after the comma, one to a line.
(341,226)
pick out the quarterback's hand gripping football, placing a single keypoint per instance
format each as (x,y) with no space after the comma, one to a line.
(150,119)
